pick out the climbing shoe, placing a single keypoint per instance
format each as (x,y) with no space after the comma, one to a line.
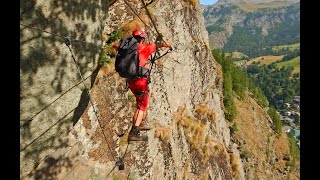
(134,135)
(144,126)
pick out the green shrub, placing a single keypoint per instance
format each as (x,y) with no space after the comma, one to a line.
(131,97)
(104,59)
(115,35)
(276,119)
(239,81)
(245,154)
(294,150)
(234,128)
(235,81)
(231,111)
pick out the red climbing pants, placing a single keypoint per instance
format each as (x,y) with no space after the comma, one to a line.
(139,87)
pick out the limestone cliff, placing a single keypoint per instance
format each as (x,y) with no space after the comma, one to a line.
(52,97)
(191,135)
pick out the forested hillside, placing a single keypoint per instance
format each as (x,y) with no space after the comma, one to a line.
(234,28)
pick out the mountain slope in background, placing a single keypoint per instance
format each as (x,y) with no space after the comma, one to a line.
(255,1)
(249,28)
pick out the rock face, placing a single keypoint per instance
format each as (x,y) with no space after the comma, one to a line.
(51,96)
(191,135)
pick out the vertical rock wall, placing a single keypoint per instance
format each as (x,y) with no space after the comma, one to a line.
(52,98)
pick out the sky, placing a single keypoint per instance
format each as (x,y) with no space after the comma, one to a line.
(208,2)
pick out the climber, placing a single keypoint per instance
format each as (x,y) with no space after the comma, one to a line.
(139,86)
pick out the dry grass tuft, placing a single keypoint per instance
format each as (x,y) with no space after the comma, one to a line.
(115,45)
(107,69)
(208,139)
(206,153)
(159,63)
(111,50)
(185,169)
(211,148)
(234,165)
(124,139)
(205,113)
(104,38)
(130,26)
(163,133)
(195,39)
(192,2)
(203,177)
(194,131)
(134,24)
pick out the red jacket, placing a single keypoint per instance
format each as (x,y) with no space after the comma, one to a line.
(141,84)
(144,51)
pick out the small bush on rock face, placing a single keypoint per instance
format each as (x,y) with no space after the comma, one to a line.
(131,97)
(115,35)
(205,113)
(294,152)
(162,133)
(211,148)
(234,165)
(208,139)
(245,154)
(276,119)
(194,131)
(234,128)
(131,26)
(104,59)
(111,49)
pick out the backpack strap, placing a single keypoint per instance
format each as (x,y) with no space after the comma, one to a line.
(126,88)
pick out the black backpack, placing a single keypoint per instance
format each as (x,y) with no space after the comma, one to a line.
(127,59)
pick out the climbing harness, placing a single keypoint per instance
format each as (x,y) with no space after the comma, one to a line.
(159,38)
